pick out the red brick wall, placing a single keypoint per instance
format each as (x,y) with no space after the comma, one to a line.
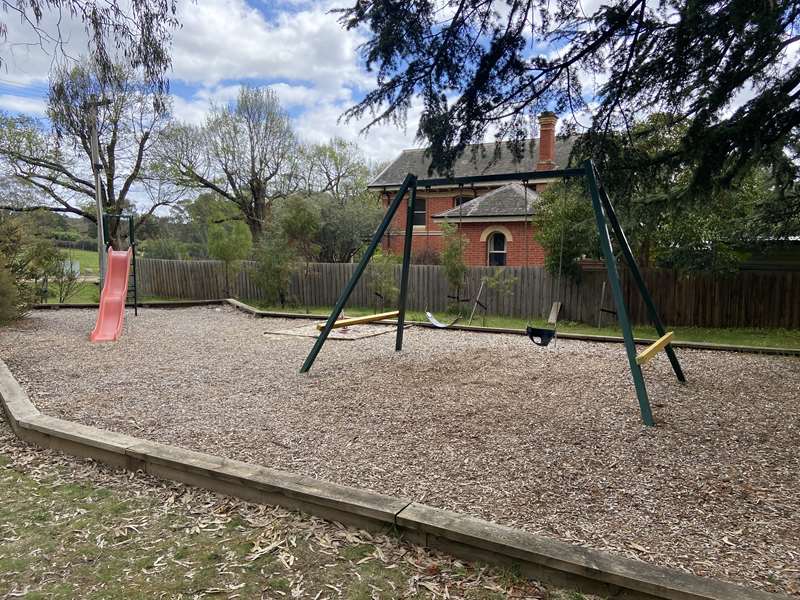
(476,253)
(517,254)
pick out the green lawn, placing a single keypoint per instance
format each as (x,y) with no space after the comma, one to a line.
(777,338)
(65,537)
(87,292)
(87,258)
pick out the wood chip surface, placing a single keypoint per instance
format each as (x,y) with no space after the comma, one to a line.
(548,440)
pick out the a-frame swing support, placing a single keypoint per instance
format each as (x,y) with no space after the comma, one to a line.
(604,216)
(409,184)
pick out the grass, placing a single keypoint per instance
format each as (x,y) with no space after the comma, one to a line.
(87,292)
(776,338)
(64,537)
(88,260)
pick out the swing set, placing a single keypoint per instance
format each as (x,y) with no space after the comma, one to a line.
(605,217)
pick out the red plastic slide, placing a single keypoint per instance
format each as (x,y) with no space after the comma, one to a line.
(112,299)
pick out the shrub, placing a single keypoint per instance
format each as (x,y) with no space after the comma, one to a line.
(426,256)
(455,269)
(229,242)
(11,306)
(381,274)
(275,261)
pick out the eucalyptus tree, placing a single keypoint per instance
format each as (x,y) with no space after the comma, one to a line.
(136,33)
(246,152)
(51,163)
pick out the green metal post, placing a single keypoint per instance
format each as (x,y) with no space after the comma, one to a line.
(616,290)
(362,265)
(627,253)
(401,317)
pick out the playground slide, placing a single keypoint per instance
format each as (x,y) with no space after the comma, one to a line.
(112,299)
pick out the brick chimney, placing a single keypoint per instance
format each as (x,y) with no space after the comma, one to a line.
(547,141)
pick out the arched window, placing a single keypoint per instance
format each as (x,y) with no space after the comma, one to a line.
(497,250)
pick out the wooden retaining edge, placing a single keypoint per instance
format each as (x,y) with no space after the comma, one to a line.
(544,559)
(472,328)
(566,336)
(148,304)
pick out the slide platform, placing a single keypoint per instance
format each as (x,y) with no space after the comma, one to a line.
(112,299)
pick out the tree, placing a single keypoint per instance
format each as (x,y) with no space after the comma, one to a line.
(229,242)
(345,227)
(455,268)
(711,234)
(564,225)
(338,175)
(725,70)
(139,31)
(337,168)
(246,152)
(191,219)
(52,168)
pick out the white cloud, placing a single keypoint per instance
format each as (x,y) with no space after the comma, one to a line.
(27,58)
(311,62)
(320,123)
(23,104)
(229,39)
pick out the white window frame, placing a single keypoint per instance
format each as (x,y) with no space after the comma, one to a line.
(490,249)
(423,212)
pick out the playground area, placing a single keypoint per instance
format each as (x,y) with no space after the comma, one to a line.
(545,439)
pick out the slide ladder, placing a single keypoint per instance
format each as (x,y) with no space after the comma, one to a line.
(112,299)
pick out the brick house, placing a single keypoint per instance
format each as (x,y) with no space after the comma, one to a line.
(494,218)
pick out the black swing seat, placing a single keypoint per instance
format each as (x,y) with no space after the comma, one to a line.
(541,336)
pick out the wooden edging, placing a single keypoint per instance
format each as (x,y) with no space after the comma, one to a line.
(507,330)
(471,328)
(147,304)
(547,560)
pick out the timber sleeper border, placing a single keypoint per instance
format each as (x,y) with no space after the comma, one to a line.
(507,330)
(545,559)
(584,337)
(246,308)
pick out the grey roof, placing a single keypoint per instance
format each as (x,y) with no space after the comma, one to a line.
(477,159)
(505,201)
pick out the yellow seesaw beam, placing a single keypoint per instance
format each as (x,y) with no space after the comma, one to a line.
(653,349)
(359,320)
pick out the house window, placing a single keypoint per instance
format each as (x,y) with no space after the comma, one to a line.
(459,200)
(420,213)
(497,250)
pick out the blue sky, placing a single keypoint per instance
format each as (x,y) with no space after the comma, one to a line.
(294,46)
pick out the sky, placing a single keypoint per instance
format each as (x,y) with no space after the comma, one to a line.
(297,47)
(294,46)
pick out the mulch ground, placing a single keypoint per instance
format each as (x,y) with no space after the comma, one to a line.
(548,440)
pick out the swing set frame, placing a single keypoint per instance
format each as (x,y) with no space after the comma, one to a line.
(605,217)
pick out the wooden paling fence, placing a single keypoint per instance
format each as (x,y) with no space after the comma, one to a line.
(745,299)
